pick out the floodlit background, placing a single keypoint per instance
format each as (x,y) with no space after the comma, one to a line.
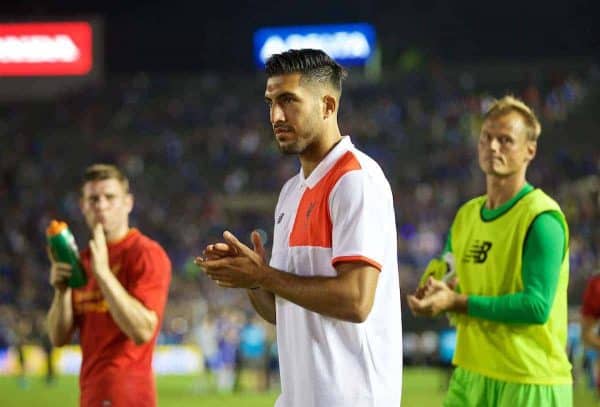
(173,93)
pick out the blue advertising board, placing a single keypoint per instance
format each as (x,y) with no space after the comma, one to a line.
(348,44)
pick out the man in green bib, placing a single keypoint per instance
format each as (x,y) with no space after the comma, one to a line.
(511,258)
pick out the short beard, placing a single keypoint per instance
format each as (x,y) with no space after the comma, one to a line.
(290,149)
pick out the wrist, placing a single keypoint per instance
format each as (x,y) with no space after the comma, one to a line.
(104,278)
(263,277)
(102,272)
(459,303)
(61,293)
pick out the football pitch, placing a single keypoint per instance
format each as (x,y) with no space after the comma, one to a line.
(422,388)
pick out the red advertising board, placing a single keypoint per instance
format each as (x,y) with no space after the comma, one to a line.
(46,49)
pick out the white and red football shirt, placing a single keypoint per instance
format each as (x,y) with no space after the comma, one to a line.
(342,212)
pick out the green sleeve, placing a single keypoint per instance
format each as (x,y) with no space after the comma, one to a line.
(448,245)
(542,258)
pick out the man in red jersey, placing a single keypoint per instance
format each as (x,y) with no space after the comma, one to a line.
(590,319)
(119,311)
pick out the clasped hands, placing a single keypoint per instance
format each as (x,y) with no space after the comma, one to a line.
(232,264)
(436,297)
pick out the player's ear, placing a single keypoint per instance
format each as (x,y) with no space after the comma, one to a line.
(531,150)
(329,106)
(129,201)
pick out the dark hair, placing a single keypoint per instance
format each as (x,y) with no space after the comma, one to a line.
(314,65)
(101,172)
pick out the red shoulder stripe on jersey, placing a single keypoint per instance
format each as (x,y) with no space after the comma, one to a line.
(312,226)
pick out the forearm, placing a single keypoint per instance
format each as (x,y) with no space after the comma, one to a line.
(518,308)
(324,295)
(264,304)
(130,315)
(60,318)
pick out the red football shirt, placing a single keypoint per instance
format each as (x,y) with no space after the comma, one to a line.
(115,371)
(591,299)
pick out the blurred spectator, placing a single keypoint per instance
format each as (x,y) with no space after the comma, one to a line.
(253,352)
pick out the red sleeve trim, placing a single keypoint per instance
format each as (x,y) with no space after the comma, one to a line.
(355,259)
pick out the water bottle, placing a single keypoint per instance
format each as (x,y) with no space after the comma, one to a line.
(64,249)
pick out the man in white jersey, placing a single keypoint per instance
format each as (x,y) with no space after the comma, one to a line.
(332,283)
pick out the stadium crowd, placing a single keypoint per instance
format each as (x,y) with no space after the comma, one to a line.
(200,153)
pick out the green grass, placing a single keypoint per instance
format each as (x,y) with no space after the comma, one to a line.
(422,388)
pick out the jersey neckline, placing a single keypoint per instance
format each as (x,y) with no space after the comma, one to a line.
(488,215)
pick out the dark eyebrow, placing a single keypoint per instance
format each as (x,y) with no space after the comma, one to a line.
(287,94)
(281,95)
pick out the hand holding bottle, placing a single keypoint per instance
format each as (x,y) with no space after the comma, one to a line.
(64,256)
(59,273)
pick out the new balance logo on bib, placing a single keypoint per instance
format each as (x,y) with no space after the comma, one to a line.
(478,252)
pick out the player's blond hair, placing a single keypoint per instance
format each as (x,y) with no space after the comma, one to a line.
(508,104)
(100,172)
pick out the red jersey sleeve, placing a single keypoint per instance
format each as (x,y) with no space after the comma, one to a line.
(591,299)
(150,278)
